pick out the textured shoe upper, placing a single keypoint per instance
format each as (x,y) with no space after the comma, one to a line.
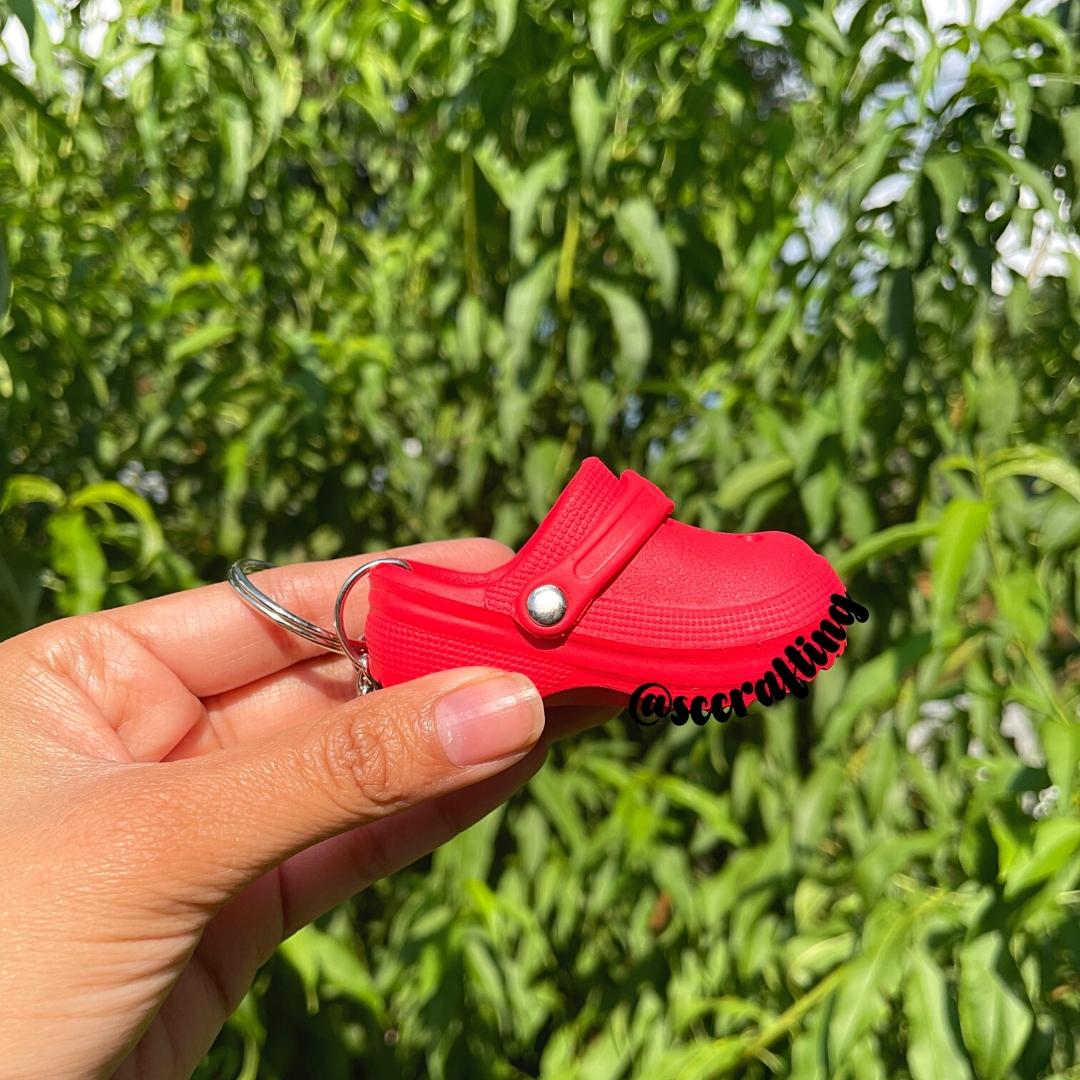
(683,588)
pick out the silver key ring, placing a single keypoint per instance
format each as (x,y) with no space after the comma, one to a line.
(365,681)
(280,615)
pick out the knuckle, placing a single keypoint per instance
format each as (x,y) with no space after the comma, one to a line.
(368,762)
(72,648)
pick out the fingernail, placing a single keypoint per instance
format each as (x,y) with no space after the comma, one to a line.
(490,719)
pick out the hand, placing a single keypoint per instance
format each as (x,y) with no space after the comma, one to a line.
(185,785)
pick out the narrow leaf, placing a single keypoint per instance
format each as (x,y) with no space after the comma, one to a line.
(21,490)
(1056,842)
(947,173)
(960,529)
(523,300)
(640,227)
(750,477)
(505,20)
(632,332)
(604,17)
(109,491)
(200,340)
(587,114)
(77,557)
(1035,461)
(932,1052)
(994,1020)
(887,542)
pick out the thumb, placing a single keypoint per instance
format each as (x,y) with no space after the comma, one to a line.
(247,809)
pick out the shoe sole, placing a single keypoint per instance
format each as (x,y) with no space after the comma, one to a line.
(413,633)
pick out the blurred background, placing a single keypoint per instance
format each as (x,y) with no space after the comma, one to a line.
(309,278)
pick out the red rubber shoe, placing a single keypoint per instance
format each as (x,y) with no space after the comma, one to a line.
(611,592)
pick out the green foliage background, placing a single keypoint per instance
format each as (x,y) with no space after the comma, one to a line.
(352,275)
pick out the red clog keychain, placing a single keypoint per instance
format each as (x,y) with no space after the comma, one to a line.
(610,592)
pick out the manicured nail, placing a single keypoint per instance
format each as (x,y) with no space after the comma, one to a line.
(490,719)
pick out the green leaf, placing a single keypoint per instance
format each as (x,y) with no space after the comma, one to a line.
(713,810)
(343,972)
(200,340)
(487,982)
(321,959)
(109,491)
(77,557)
(1017,305)
(960,529)
(876,139)
(701,1060)
(887,542)
(809,1059)
(816,801)
(1035,461)
(601,405)
(855,375)
(5,282)
(1070,130)
(547,174)
(579,343)
(523,300)
(818,494)
(994,1019)
(875,682)
(236,140)
(642,230)
(901,312)
(1027,172)
(997,398)
(932,1053)
(470,329)
(750,477)
(1022,604)
(1056,841)
(632,333)
(1061,740)
(860,1001)
(498,172)
(604,17)
(20,490)
(301,951)
(948,174)
(548,788)
(588,115)
(235,483)
(505,19)
(540,474)
(15,89)
(247,1021)
(891,855)
(1011,831)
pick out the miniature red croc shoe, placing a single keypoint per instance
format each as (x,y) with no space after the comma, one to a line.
(611,592)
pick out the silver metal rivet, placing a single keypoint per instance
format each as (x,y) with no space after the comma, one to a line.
(546,605)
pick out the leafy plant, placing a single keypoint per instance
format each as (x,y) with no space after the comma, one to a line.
(313,278)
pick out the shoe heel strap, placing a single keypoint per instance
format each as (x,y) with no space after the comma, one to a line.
(638,510)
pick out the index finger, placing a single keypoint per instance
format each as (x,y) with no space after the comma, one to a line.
(215,642)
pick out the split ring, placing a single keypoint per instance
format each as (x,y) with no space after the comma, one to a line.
(365,682)
(280,615)
(275,612)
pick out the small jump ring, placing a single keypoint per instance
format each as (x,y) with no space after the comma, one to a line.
(275,612)
(358,654)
